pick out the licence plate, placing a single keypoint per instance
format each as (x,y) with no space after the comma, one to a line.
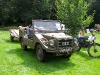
(66,49)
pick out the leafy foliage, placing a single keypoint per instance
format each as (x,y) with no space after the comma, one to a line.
(24,11)
(74,14)
(14,11)
(4,11)
(95,7)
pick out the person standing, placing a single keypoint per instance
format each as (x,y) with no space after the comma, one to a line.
(80,34)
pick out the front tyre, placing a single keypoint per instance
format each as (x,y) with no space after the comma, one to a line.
(40,53)
(67,55)
(94,50)
(23,46)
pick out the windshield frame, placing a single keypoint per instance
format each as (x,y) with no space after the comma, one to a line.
(47,21)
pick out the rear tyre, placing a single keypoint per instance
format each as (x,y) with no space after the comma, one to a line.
(40,53)
(11,38)
(23,46)
(94,50)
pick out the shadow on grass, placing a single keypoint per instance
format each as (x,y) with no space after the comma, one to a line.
(14,42)
(83,53)
(52,63)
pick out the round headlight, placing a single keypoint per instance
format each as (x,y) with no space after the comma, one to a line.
(51,42)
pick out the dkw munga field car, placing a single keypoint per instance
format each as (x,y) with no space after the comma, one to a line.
(46,36)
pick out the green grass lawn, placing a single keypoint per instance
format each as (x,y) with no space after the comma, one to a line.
(14,61)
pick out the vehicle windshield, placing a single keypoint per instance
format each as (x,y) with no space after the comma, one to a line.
(47,25)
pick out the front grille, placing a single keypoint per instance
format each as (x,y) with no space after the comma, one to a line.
(65,43)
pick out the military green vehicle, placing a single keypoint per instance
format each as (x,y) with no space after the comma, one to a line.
(46,36)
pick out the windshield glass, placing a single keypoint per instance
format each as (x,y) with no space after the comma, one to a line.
(47,25)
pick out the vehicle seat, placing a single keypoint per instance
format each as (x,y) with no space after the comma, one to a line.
(29,32)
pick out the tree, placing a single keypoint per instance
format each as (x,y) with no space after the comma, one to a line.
(95,6)
(20,11)
(47,9)
(74,14)
(4,11)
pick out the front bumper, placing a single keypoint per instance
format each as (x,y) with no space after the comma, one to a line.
(61,51)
